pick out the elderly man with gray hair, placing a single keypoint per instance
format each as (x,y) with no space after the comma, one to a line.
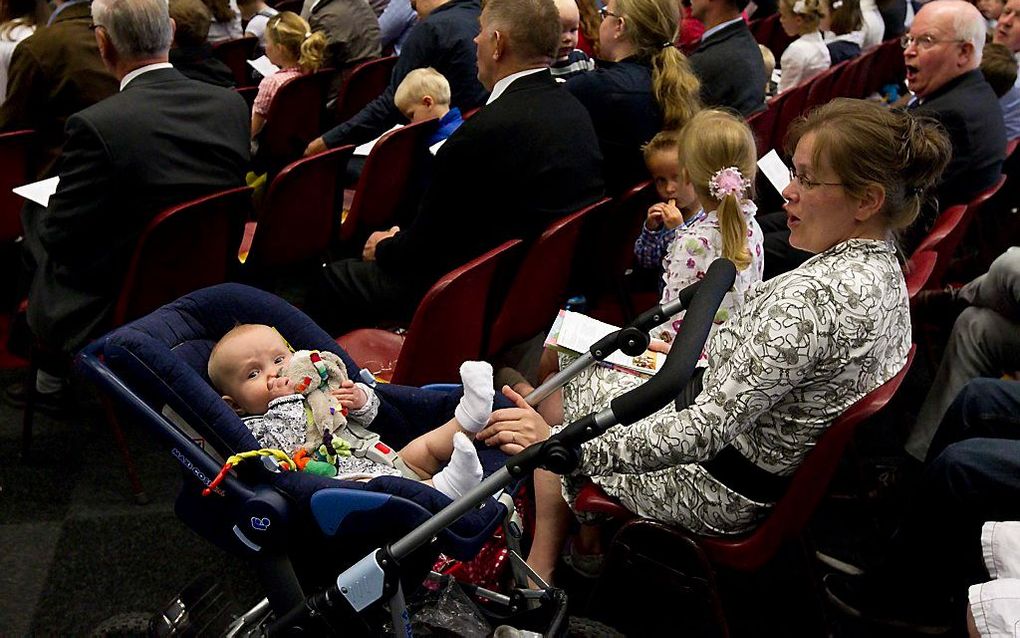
(942,53)
(162,140)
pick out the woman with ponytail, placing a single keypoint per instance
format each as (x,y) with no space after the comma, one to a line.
(804,346)
(290,45)
(642,85)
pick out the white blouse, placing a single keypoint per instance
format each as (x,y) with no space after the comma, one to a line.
(874,25)
(806,57)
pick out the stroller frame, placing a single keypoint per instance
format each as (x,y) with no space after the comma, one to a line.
(375,579)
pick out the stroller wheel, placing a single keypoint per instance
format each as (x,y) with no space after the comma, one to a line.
(588,628)
(129,625)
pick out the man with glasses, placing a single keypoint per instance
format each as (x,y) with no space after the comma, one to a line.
(942,53)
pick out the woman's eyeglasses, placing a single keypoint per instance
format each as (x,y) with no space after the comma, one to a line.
(808,184)
(604,11)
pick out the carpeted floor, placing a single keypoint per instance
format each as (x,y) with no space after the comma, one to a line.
(75,549)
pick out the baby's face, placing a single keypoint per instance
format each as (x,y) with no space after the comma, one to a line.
(253,362)
(570,20)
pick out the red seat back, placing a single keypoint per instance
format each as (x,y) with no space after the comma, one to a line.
(762,124)
(762,28)
(448,327)
(809,484)
(182,249)
(821,86)
(300,212)
(791,105)
(950,229)
(364,83)
(13,172)
(889,65)
(294,119)
(386,179)
(235,54)
(918,271)
(540,284)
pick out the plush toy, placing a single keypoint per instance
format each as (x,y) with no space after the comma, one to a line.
(315,375)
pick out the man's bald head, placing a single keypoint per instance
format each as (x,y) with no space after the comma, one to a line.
(948,37)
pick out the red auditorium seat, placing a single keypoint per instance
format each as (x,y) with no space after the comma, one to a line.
(448,327)
(539,285)
(784,524)
(300,214)
(235,54)
(365,83)
(949,230)
(294,119)
(387,178)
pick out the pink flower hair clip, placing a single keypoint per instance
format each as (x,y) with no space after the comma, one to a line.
(728,181)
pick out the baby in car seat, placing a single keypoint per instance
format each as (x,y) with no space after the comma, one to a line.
(247,366)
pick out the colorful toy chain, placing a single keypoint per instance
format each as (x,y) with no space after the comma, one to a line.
(285,462)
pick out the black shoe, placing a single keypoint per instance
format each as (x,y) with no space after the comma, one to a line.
(56,403)
(852,596)
(942,306)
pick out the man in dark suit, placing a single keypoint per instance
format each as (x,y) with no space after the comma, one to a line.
(728,61)
(162,140)
(55,72)
(442,39)
(527,158)
(942,57)
(942,60)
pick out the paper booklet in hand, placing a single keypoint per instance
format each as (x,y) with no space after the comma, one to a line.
(574,333)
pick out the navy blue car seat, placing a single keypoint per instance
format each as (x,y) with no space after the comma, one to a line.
(154,370)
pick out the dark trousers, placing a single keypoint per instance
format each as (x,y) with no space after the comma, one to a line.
(354,294)
(972,476)
(780,256)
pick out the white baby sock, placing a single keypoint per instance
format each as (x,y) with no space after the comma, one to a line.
(464,470)
(475,406)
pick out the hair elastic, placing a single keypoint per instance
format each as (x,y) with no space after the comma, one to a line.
(666,45)
(728,181)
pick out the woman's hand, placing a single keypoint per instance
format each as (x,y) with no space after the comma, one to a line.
(514,429)
(350,396)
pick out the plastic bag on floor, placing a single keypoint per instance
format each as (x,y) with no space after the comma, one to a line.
(441,608)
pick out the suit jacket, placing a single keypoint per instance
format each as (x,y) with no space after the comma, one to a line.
(618,96)
(729,65)
(520,163)
(444,41)
(55,72)
(163,140)
(969,110)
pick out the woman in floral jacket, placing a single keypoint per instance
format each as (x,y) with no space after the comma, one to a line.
(804,347)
